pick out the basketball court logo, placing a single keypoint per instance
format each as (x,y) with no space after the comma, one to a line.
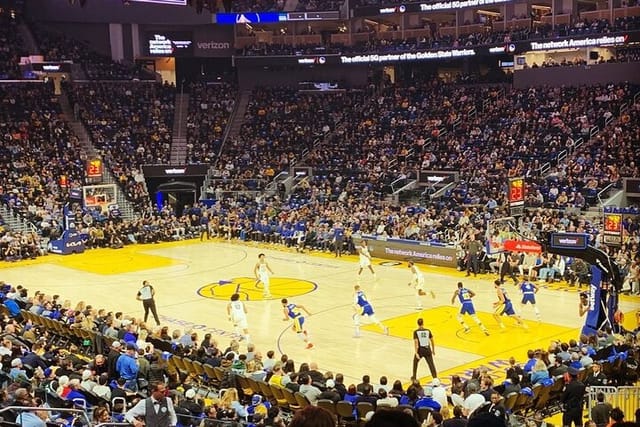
(250,289)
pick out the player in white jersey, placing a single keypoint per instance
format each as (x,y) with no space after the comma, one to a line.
(365,259)
(237,313)
(417,281)
(262,271)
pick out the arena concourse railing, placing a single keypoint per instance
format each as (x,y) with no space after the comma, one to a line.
(626,398)
(81,414)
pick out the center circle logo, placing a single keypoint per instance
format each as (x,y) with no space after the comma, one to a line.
(251,289)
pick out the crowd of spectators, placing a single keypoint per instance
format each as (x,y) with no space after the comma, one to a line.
(60,47)
(40,159)
(131,123)
(11,47)
(435,40)
(280,124)
(281,5)
(130,360)
(210,106)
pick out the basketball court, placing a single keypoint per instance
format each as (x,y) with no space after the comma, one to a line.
(193,282)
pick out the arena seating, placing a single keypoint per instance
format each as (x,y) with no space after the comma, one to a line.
(40,158)
(131,123)
(11,48)
(210,106)
(59,47)
(438,41)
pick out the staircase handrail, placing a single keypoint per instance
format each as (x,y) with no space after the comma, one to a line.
(227,128)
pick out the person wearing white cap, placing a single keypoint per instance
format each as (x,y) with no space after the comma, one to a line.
(439,392)
(17,374)
(87,380)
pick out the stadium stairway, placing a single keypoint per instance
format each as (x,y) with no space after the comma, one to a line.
(126,207)
(13,221)
(237,118)
(179,136)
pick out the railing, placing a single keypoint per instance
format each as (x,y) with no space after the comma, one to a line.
(273,185)
(636,98)
(442,191)
(593,131)
(624,107)
(408,186)
(544,168)
(81,414)
(562,155)
(180,113)
(399,182)
(625,398)
(472,111)
(603,191)
(578,143)
(608,120)
(227,128)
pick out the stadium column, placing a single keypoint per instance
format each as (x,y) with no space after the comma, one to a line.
(116,42)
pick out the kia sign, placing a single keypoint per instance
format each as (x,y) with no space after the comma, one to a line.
(403,250)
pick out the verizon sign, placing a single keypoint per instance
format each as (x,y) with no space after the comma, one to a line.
(213,41)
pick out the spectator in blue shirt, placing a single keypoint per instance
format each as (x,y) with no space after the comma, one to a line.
(127,367)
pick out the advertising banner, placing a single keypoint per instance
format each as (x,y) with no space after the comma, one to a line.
(404,250)
(213,41)
(154,171)
(432,6)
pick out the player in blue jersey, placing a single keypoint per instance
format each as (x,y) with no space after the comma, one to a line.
(529,290)
(293,311)
(363,308)
(504,306)
(464,295)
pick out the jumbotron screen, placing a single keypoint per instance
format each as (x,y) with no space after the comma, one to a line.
(164,43)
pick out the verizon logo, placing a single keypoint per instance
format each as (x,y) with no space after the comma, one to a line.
(211,45)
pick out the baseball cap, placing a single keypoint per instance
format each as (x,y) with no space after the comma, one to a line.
(330,383)
(86,374)
(435,382)
(256,399)
(116,344)
(190,394)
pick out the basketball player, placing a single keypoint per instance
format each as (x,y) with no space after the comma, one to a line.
(364,308)
(417,281)
(292,311)
(464,295)
(237,313)
(583,307)
(262,271)
(365,259)
(529,291)
(504,306)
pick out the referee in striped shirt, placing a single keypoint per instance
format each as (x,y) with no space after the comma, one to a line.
(146,294)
